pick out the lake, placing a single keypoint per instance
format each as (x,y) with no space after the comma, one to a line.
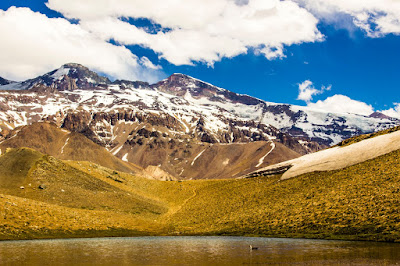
(196,251)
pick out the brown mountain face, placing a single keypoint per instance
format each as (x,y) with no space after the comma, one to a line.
(152,140)
(182,159)
(49,139)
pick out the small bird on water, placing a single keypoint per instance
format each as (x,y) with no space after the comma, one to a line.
(253,248)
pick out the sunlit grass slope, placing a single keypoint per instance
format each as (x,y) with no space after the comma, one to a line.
(85,199)
(359,202)
(37,190)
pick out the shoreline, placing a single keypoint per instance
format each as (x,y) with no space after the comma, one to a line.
(127,233)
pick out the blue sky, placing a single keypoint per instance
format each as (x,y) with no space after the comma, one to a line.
(351,48)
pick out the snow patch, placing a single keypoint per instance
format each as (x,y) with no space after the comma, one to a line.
(261,161)
(65,144)
(90,80)
(198,155)
(125,158)
(340,157)
(60,73)
(226,162)
(117,150)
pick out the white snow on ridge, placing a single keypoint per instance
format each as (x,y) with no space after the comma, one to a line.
(60,73)
(187,110)
(218,88)
(125,158)
(315,122)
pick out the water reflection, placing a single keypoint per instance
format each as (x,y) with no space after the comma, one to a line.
(196,251)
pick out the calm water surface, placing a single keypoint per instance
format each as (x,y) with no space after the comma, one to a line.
(196,251)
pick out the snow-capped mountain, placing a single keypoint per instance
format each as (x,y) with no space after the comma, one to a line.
(67,77)
(4,81)
(176,121)
(298,121)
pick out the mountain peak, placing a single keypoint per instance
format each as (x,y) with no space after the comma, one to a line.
(180,75)
(74,65)
(379,115)
(179,84)
(71,76)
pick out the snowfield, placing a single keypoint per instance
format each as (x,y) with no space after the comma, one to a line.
(340,157)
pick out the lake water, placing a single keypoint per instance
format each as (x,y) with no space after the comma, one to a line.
(196,251)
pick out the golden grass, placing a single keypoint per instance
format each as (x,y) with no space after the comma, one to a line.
(360,202)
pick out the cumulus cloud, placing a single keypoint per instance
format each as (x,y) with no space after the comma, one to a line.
(189,31)
(198,30)
(33,44)
(342,104)
(147,63)
(376,17)
(339,103)
(307,91)
(392,112)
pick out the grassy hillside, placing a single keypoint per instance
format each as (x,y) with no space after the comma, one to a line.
(359,202)
(15,166)
(85,199)
(60,191)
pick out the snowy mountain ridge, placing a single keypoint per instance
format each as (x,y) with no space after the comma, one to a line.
(188,100)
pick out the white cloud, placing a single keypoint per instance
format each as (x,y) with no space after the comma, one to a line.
(200,30)
(307,91)
(147,63)
(342,104)
(273,52)
(33,44)
(392,112)
(375,17)
(339,103)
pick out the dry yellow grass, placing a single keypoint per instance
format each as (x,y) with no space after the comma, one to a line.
(358,202)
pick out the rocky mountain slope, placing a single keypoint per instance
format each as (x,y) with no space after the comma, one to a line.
(49,139)
(4,81)
(180,124)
